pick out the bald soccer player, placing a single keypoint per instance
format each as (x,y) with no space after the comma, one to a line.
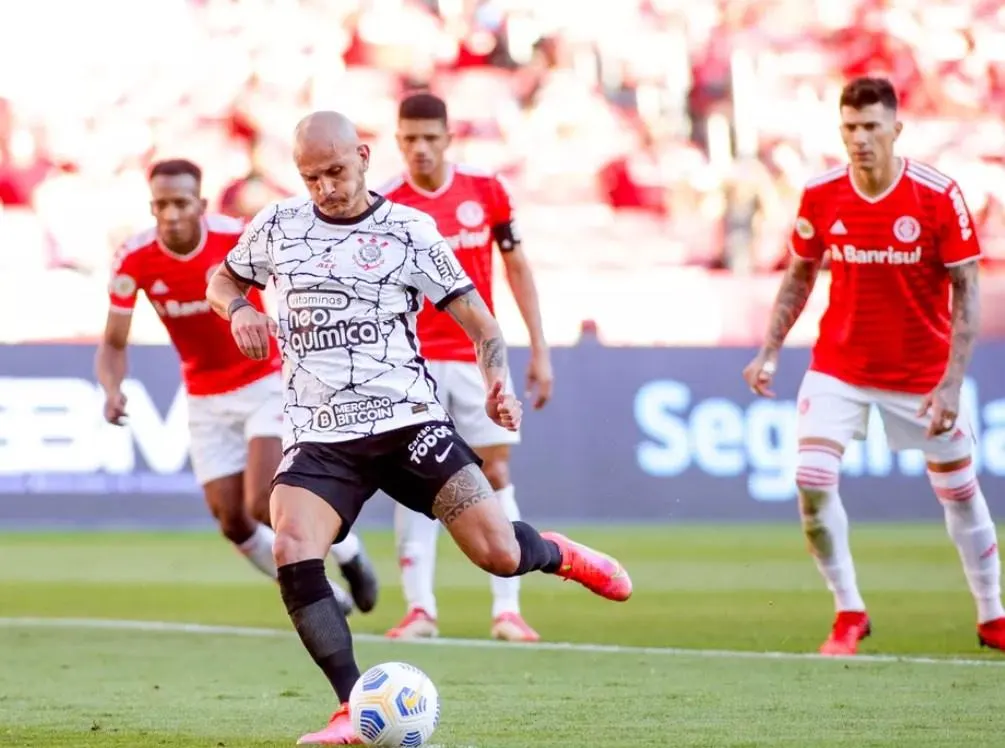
(351,270)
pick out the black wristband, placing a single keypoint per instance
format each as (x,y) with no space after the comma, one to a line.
(236,304)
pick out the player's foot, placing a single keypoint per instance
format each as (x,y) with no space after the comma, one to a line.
(596,571)
(850,627)
(361,577)
(510,627)
(992,634)
(338,732)
(417,624)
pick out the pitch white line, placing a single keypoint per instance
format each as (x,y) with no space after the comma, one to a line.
(170,627)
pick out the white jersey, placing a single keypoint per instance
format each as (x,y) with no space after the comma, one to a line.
(347,292)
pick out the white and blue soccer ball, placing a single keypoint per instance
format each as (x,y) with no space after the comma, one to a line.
(394,705)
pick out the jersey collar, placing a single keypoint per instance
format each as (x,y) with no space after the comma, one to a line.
(437,192)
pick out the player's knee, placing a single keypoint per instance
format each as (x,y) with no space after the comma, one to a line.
(955,483)
(496,552)
(232,518)
(291,546)
(497,473)
(817,475)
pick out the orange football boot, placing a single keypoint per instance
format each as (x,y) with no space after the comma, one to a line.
(598,572)
(338,732)
(417,624)
(511,627)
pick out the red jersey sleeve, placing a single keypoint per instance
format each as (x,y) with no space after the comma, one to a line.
(124,283)
(502,217)
(958,241)
(806,241)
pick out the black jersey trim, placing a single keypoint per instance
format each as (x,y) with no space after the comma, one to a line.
(378,200)
(238,276)
(455,294)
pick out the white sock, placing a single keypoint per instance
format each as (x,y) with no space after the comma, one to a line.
(258,550)
(825,524)
(506,590)
(347,550)
(416,537)
(971,528)
(343,597)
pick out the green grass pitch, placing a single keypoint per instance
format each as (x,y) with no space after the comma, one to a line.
(726,593)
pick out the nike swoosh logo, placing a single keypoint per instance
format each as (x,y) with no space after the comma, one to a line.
(289,246)
(443,455)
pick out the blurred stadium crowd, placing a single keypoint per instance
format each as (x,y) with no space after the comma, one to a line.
(657,147)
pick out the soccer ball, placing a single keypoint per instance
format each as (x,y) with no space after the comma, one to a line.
(394,705)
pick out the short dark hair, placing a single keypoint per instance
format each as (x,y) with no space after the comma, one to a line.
(863,92)
(175,167)
(423,106)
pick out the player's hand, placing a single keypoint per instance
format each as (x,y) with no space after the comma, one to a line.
(760,372)
(944,405)
(539,379)
(503,409)
(115,408)
(252,331)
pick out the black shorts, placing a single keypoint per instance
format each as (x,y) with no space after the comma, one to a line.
(410,465)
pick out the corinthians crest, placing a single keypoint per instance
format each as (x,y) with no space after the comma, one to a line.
(370,253)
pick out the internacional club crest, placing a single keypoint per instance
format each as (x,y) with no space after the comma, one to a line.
(907,229)
(470,214)
(370,253)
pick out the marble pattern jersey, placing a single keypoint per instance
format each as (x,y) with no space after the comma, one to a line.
(347,294)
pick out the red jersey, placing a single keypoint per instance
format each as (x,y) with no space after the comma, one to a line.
(888,322)
(211,363)
(472,211)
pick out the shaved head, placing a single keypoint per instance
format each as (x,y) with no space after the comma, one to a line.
(333,163)
(324,130)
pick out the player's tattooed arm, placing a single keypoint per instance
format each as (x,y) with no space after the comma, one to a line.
(966,313)
(797,285)
(474,316)
(467,487)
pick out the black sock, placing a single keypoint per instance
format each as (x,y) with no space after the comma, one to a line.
(320,622)
(536,553)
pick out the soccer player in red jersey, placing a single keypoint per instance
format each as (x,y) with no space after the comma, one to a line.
(472,210)
(898,333)
(235,404)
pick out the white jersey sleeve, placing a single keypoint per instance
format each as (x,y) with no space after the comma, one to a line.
(250,259)
(433,267)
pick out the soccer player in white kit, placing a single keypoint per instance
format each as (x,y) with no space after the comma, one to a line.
(898,334)
(351,270)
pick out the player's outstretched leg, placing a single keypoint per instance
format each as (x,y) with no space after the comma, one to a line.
(972,530)
(358,571)
(825,524)
(415,535)
(467,507)
(305,526)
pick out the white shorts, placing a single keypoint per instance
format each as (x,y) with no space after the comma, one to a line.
(831,409)
(461,390)
(220,426)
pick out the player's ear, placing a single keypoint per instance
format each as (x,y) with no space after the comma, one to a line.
(897,127)
(364,155)
(203,205)
(153,210)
